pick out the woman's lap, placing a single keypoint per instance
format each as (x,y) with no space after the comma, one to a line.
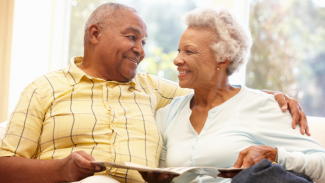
(265,172)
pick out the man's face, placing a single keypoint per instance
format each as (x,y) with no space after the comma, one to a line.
(120,46)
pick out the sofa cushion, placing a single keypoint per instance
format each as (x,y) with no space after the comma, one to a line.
(317,128)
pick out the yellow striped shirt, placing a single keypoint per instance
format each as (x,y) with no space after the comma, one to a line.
(67,110)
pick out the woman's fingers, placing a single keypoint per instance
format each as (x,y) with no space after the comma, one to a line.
(248,161)
(240,159)
(254,154)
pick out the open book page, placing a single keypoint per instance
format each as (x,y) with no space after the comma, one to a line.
(211,171)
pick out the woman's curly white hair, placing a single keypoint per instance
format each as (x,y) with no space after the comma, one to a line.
(232,40)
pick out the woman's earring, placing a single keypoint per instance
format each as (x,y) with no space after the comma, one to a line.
(218,68)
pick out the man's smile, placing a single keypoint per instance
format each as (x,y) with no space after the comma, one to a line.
(135,61)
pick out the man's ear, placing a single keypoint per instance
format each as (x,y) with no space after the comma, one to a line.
(94,32)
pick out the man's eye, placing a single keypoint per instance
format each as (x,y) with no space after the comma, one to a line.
(131,37)
(179,50)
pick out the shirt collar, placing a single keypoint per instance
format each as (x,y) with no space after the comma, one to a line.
(74,74)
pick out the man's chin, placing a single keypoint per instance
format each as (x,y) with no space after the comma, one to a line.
(129,77)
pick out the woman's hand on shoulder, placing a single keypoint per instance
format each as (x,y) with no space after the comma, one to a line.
(288,103)
(151,177)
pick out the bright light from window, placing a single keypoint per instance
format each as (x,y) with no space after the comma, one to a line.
(74,3)
(320,3)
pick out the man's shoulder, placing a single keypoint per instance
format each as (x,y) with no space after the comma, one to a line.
(51,80)
(144,78)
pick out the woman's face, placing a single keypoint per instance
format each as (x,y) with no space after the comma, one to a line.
(195,61)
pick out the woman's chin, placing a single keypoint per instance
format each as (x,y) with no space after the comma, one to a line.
(184,85)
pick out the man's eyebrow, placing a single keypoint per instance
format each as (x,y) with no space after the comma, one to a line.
(135,30)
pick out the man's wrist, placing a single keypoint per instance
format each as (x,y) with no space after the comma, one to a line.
(57,168)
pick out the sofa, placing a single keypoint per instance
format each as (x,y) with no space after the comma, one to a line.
(316,124)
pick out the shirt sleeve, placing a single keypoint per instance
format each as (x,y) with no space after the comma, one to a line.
(25,125)
(296,152)
(166,91)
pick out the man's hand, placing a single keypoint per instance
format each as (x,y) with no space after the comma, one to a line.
(151,177)
(77,166)
(298,116)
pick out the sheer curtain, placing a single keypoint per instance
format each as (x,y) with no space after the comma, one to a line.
(40,42)
(6,21)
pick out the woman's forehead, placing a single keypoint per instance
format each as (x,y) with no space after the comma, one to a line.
(197,36)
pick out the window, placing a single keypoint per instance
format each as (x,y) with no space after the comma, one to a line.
(287,53)
(288,50)
(163,19)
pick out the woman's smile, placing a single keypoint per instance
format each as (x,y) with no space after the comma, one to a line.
(183,73)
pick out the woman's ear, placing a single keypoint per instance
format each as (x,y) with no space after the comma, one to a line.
(223,65)
(94,31)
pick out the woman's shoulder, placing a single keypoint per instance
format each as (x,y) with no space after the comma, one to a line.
(182,99)
(175,104)
(171,109)
(255,99)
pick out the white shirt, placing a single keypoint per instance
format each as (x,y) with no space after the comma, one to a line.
(249,118)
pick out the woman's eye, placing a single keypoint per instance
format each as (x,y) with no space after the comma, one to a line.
(188,51)
(144,43)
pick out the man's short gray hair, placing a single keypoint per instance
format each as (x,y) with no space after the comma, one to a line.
(232,40)
(103,13)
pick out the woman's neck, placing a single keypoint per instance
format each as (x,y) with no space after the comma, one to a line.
(213,95)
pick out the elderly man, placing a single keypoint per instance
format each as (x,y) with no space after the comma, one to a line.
(99,107)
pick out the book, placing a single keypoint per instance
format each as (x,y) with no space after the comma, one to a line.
(211,171)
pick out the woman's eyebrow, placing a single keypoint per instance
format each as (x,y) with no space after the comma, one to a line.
(190,46)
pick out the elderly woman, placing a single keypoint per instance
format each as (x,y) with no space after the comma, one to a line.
(221,125)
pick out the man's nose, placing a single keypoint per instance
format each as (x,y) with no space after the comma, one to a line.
(139,50)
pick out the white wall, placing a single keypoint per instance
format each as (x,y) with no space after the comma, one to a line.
(40,42)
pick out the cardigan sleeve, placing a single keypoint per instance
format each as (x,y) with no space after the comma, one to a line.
(296,152)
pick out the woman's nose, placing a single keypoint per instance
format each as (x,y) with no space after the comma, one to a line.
(178,60)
